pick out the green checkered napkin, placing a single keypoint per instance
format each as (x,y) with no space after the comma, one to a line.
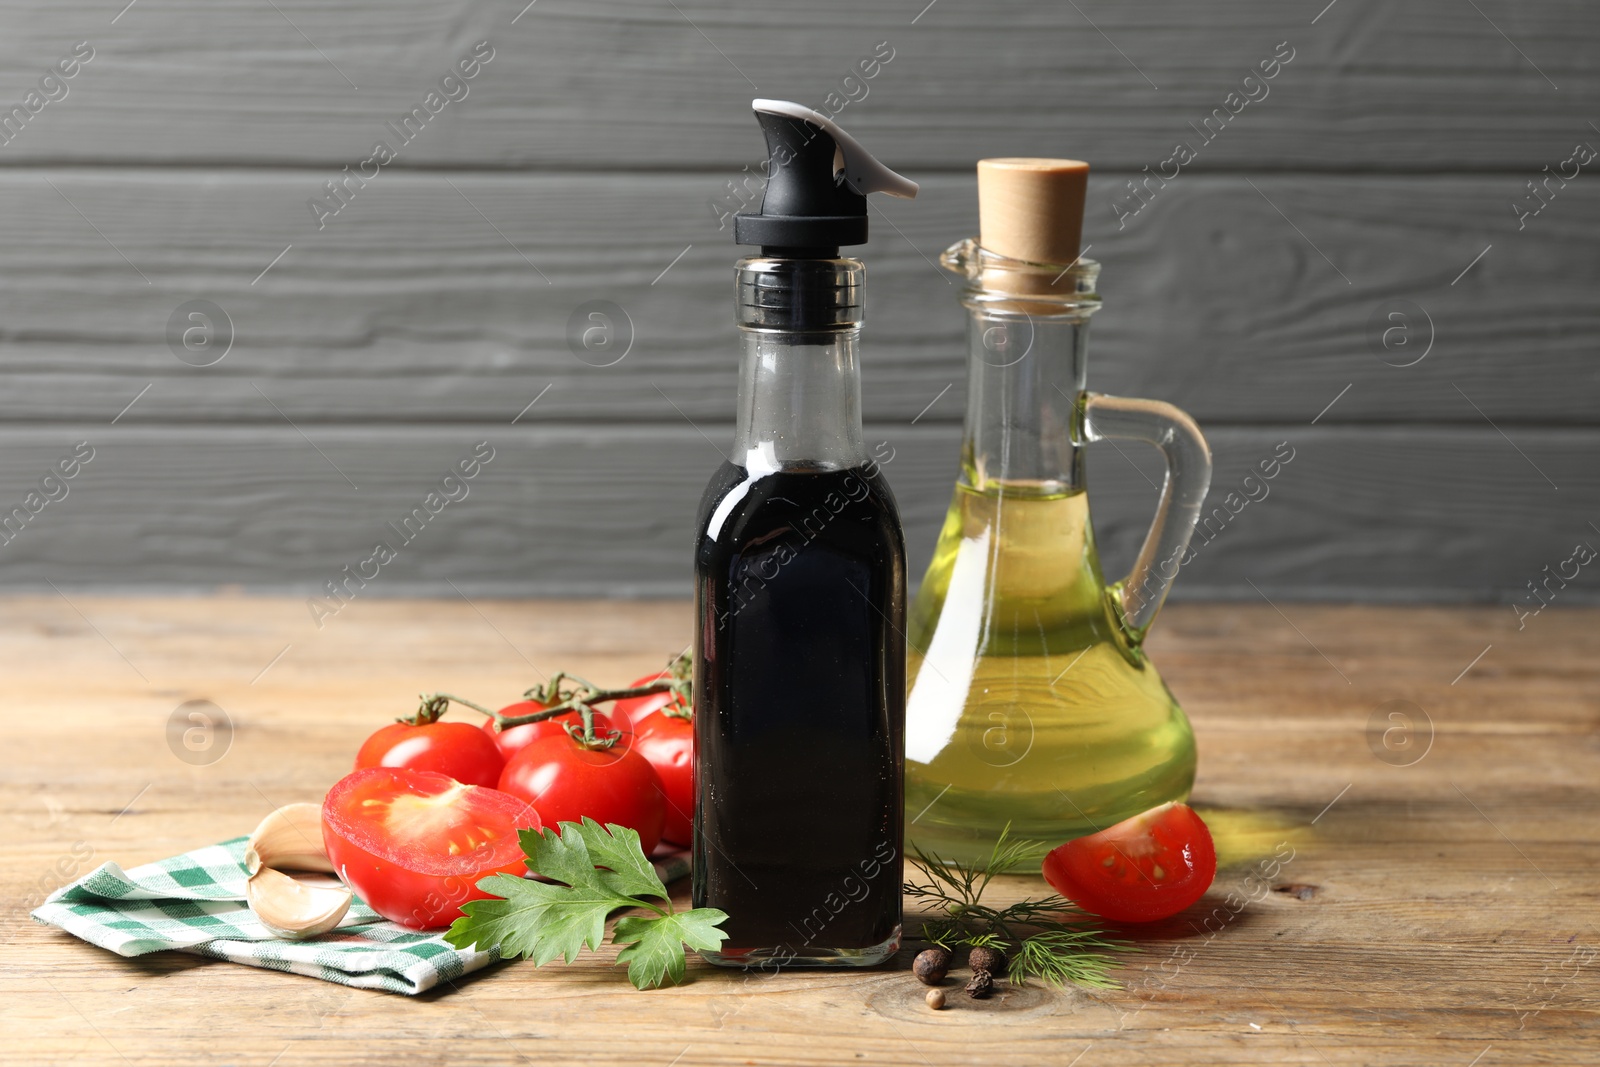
(196,903)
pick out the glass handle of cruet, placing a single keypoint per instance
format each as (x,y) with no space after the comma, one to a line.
(1140,595)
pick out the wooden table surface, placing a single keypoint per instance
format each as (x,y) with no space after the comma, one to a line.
(1440,906)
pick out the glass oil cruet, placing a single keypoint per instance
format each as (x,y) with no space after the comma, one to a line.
(1032,703)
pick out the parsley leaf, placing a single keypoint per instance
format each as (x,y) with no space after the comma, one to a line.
(604,869)
(654,949)
(630,872)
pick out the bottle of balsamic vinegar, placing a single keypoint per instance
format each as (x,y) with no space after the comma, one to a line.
(799,664)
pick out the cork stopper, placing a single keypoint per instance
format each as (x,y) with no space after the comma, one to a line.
(1032,209)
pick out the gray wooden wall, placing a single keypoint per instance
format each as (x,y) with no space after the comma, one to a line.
(365,357)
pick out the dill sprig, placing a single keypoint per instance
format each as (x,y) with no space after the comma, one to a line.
(1043,937)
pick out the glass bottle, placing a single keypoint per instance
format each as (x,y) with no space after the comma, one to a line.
(800,658)
(800,591)
(1032,702)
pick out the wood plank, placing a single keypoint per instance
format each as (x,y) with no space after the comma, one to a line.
(1363,512)
(411,307)
(1420,85)
(1428,931)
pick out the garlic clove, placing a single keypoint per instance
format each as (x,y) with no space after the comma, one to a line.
(289,838)
(294,909)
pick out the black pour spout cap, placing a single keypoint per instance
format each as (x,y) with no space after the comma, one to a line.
(818,178)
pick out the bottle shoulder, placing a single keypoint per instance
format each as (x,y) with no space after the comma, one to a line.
(851,506)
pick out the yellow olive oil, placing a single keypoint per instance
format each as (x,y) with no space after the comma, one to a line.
(1028,704)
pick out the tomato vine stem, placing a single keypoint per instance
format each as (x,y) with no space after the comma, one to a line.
(565,693)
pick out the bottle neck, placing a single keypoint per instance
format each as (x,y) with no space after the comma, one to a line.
(799,402)
(1026,375)
(799,383)
(1028,336)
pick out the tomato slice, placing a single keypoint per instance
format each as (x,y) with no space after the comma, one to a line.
(414,844)
(1145,868)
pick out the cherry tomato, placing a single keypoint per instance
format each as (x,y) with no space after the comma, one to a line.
(567,781)
(414,844)
(634,709)
(457,749)
(1144,868)
(667,741)
(517,738)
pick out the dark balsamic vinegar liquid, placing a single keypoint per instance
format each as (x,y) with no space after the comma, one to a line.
(800,712)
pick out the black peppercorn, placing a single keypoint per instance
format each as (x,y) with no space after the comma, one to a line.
(931,965)
(985,958)
(982,985)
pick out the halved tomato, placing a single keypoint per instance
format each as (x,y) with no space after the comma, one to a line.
(414,844)
(1142,869)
